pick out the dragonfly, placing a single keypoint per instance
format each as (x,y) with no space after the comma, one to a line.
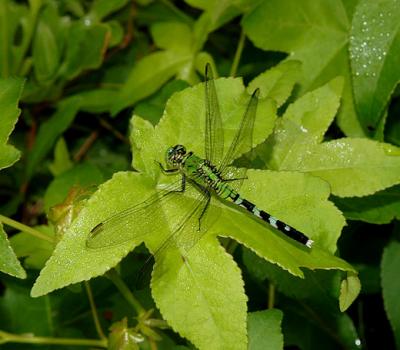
(212,176)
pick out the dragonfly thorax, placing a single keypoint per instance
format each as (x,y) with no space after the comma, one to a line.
(175,155)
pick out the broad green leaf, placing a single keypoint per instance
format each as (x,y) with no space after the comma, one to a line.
(62,161)
(390,286)
(278,82)
(183,258)
(33,250)
(264,330)
(379,208)
(374,52)
(191,295)
(8,261)
(349,290)
(82,175)
(10,92)
(314,32)
(72,261)
(351,166)
(50,130)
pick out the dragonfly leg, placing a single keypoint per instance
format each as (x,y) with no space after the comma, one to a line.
(167,171)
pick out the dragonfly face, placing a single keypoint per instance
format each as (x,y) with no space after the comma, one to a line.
(175,155)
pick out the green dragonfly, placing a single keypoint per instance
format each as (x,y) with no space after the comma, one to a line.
(212,176)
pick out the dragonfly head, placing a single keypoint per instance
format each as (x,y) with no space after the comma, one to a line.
(175,155)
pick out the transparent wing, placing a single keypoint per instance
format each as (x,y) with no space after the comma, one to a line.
(214,135)
(135,222)
(186,232)
(243,140)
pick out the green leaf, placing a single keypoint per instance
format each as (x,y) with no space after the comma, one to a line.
(103,8)
(379,208)
(46,56)
(82,175)
(314,32)
(72,261)
(374,52)
(8,261)
(183,122)
(349,290)
(278,82)
(390,286)
(191,295)
(22,314)
(153,107)
(351,166)
(85,48)
(123,338)
(34,251)
(62,161)
(151,72)
(50,130)
(10,92)
(264,330)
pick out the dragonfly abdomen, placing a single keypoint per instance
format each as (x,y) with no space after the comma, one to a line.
(271,220)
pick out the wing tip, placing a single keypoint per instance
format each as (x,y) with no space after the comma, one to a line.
(309,243)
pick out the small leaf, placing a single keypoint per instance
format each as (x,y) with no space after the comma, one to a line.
(391,285)
(8,261)
(147,76)
(83,175)
(50,130)
(10,92)
(34,251)
(349,291)
(103,8)
(374,49)
(46,54)
(264,330)
(85,48)
(123,338)
(62,161)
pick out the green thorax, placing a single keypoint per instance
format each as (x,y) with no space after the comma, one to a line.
(205,174)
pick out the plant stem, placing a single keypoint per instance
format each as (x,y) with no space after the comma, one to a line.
(238,54)
(124,290)
(25,228)
(271,295)
(29,339)
(95,315)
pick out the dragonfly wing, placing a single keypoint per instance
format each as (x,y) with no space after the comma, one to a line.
(214,135)
(133,223)
(243,140)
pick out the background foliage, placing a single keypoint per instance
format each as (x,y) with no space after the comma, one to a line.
(326,160)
